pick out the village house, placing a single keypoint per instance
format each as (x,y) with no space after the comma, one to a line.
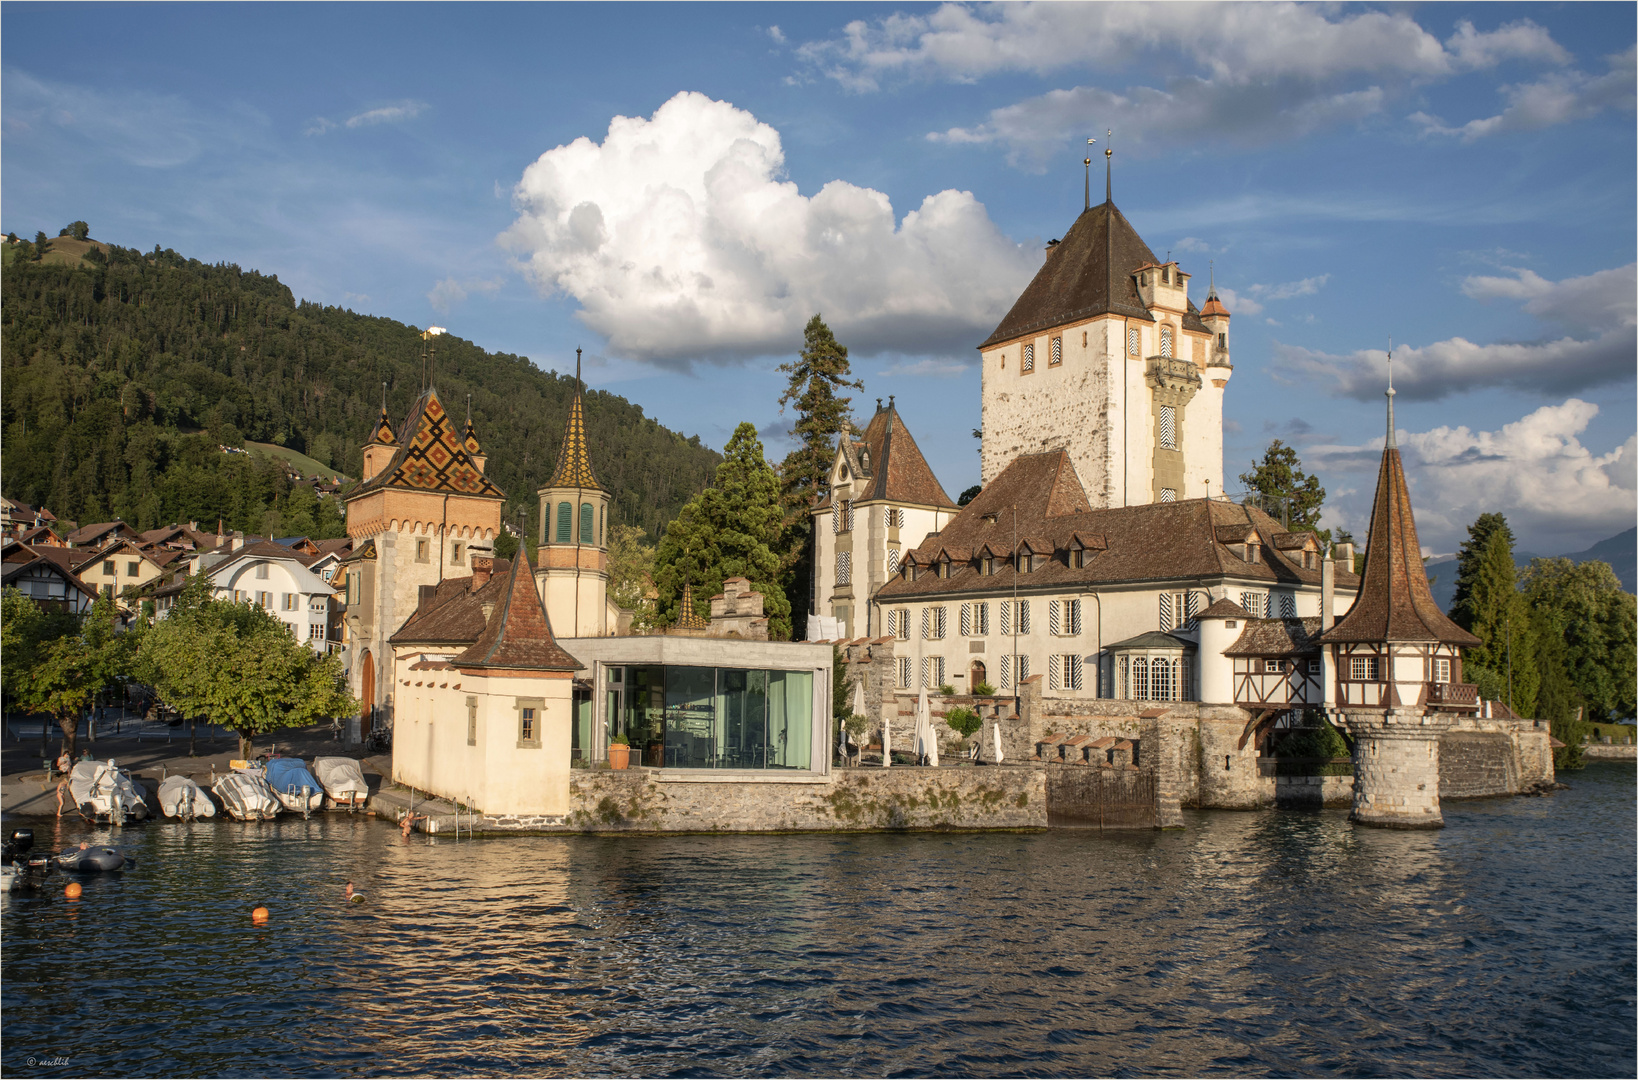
(47,581)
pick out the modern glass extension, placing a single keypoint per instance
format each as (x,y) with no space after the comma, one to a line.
(682,717)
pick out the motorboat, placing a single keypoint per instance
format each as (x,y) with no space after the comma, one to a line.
(180,797)
(93,859)
(103,791)
(246,797)
(343,780)
(296,787)
(20,867)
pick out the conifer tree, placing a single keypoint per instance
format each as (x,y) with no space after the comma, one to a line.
(820,370)
(1469,560)
(1490,606)
(1280,480)
(1596,622)
(731,529)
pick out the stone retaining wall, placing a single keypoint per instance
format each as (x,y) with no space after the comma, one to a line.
(1476,764)
(1313,792)
(1601,752)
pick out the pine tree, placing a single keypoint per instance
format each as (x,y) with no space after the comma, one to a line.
(730,529)
(1491,607)
(820,370)
(1289,493)
(1468,561)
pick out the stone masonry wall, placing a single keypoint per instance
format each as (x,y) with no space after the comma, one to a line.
(1473,764)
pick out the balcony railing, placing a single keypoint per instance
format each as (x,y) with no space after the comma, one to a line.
(1445,693)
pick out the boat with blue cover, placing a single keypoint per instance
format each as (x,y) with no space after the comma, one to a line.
(294,784)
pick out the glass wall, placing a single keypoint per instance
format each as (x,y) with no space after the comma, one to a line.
(713,718)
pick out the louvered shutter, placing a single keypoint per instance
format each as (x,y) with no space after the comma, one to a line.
(1075,678)
(1023,667)
(892,561)
(1074,617)
(1054,622)
(926,623)
(1052,671)
(1023,616)
(1192,601)
(1132,340)
(966,620)
(1288,606)
(1168,427)
(1166,611)
(1006,617)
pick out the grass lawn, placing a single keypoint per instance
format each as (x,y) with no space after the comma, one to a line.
(300,462)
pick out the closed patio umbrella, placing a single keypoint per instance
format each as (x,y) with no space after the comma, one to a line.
(997,730)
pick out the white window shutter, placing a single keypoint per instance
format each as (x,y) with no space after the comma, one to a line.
(966,620)
(1006,672)
(926,623)
(1006,617)
(1191,607)
(1052,672)
(1075,672)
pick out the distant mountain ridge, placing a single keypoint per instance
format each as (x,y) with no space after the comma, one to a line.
(1620,551)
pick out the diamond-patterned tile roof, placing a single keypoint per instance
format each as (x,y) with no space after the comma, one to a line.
(382,435)
(574,460)
(436,458)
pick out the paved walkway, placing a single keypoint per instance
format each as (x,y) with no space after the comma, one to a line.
(152,752)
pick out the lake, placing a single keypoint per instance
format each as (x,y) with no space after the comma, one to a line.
(1272,942)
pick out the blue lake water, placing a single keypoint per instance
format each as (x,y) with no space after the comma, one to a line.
(1254,943)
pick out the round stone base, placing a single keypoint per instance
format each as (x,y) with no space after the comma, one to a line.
(1397,821)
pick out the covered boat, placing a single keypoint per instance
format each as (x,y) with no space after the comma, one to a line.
(297,789)
(246,797)
(93,859)
(104,792)
(180,797)
(343,780)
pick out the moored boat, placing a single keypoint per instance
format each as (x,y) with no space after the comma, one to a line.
(180,797)
(343,780)
(102,791)
(246,797)
(93,859)
(296,787)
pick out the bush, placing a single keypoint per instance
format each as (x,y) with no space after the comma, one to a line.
(963,720)
(946,690)
(983,689)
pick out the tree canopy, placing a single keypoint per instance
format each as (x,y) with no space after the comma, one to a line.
(1594,627)
(1489,605)
(728,530)
(1285,491)
(57,663)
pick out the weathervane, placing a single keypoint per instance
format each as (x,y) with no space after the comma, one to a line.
(1088,164)
(1108,167)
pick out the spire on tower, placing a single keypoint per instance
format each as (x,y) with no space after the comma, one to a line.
(574,460)
(1109,168)
(1392,444)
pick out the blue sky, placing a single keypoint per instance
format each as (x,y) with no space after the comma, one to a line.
(678,187)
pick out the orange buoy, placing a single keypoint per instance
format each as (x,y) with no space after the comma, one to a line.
(73,891)
(259,915)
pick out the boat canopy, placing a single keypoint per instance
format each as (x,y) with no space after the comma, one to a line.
(289,775)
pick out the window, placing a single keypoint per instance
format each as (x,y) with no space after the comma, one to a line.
(1065,672)
(238,596)
(932,624)
(261,571)
(844,568)
(1254,552)
(1133,340)
(457,551)
(1140,678)
(898,623)
(565,522)
(420,552)
(903,672)
(1168,494)
(1029,359)
(1256,603)
(1441,669)
(327,573)
(986,566)
(975,619)
(895,517)
(108,590)
(315,631)
(108,568)
(1166,342)
(1064,618)
(1272,666)
(932,672)
(290,601)
(529,718)
(1014,612)
(1168,427)
(132,569)
(1222,341)
(1165,275)
(1057,356)
(588,524)
(892,561)
(265,600)
(1178,609)
(844,519)
(1162,679)
(1363,669)
(1010,663)
(1288,606)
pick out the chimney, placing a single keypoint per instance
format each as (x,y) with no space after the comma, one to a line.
(1328,591)
(1345,554)
(482,567)
(427,592)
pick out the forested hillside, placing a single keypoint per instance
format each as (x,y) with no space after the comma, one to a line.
(124,370)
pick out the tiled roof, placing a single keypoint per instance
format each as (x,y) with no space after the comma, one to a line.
(91,534)
(1224,609)
(1277,637)
(574,459)
(1394,601)
(897,470)
(1089,273)
(1154,542)
(452,614)
(264,549)
(433,459)
(339,546)
(382,434)
(1153,639)
(519,634)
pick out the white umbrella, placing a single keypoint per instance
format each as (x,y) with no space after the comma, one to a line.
(929,737)
(887,740)
(858,705)
(997,730)
(918,741)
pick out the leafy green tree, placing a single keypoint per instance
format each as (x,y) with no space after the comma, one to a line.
(79,230)
(1584,608)
(240,666)
(969,495)
(730,529)
(1286,491)
(60,666)
(1490,606)
(631,573)
(818,373)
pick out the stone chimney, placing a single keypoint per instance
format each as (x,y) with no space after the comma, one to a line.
(1328,591)
(1345,554)
(483,566)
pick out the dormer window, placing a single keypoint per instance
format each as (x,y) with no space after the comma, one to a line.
(986,566)
(1165,275)
(1254,553)
(842,475)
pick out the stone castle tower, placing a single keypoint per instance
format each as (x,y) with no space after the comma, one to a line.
(572,564)
(422,510)
(1104,355)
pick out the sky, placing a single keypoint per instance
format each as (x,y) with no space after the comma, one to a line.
(678,188)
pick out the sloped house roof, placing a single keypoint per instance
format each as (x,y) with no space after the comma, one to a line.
(890,464)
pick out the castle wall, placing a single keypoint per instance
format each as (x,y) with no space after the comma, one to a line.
(1067,405)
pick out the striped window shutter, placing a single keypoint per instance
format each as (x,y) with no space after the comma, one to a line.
(1023,618)
(1057,350)
(844,568)
(1073,609)
(1006,616)
(1288,606)
(904,671)
(1192,601)
(1023,666)
(1168,427)
(1053,663)
(924,669)
(926,623)
(892,560)
(939,622)
(1166,611)
(966,620)
(892,622)
(1029,357)
(1132,340)
(1006,671)
(835,515)
(938,673)
(1054,622)
(1166,341)
(1075,680)
(984,618)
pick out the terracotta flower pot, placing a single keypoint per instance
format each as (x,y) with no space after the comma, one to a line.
(619,756)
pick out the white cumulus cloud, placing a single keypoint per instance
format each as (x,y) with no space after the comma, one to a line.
(680,241)
(1556,492)
(1600,309)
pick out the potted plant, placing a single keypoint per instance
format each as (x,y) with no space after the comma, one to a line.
(619,752)
(964,721)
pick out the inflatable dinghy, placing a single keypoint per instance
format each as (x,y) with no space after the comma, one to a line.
(93,859)
(296,788)
(247,797)
(180,797)
(343,780)
(104,792)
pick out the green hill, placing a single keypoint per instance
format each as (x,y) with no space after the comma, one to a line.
(124,370)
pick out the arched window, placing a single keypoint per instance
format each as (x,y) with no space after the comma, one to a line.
(588,528)
(1166,341)
(565,522)
(1140,679)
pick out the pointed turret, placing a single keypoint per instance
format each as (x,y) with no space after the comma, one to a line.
(518,635)
(574,459)
(433,457)
(382,443)
(574,510)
